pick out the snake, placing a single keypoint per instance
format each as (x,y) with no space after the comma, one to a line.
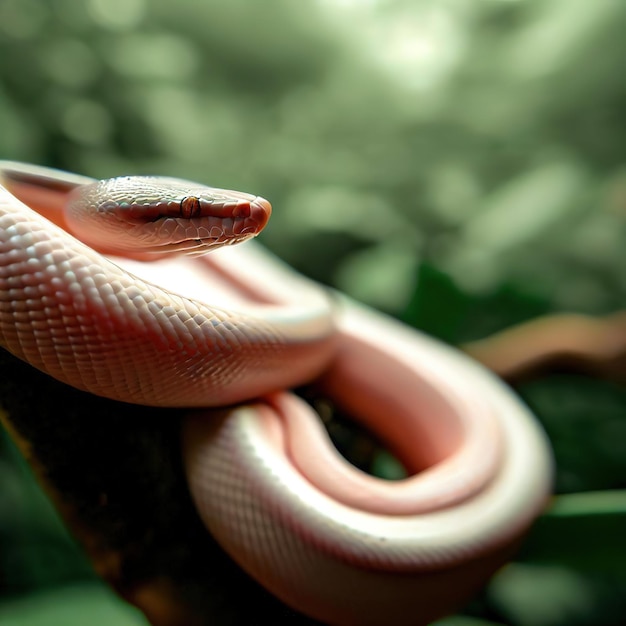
(104,285)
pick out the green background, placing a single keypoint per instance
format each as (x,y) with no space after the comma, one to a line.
(457,163)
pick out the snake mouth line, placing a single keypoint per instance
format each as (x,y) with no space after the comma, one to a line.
(199,246)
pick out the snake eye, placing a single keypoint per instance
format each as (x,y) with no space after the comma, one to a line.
(190,207)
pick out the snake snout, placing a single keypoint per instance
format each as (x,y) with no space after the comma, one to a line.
(260,212)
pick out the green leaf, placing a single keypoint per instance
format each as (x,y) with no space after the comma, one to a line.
(70,606)
(540,595)
(584,531)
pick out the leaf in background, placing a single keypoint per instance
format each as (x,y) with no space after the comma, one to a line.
(438,306)
(585,531)
(78,605)
(541,595)
(573,565)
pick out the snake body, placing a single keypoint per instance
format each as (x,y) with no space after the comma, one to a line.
(112,318)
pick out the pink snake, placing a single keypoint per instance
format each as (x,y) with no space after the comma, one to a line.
(119,320)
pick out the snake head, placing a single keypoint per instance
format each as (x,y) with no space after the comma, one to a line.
(135,214)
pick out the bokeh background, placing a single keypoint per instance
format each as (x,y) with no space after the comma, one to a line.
(457,163)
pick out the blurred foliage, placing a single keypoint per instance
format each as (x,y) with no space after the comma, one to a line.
(459,163)
(74,605)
